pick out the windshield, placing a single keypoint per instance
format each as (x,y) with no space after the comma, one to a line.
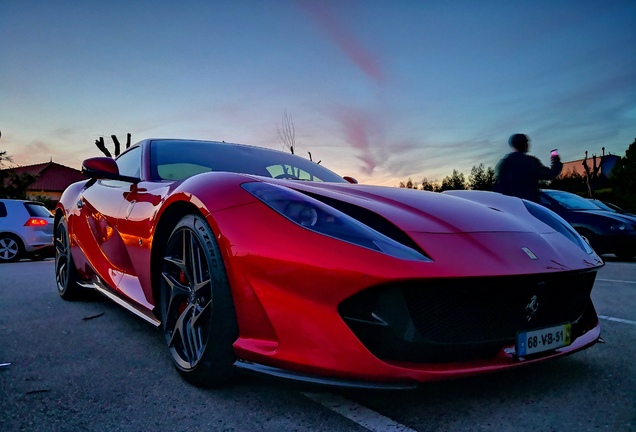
(608,206)
(176,160)
(571,201)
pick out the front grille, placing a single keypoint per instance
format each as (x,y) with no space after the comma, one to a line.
(469,311)
(461,319)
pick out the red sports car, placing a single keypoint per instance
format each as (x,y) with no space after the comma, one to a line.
(255,259)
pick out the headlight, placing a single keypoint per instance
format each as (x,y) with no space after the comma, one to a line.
(319,217)
(557,223)
(621,226)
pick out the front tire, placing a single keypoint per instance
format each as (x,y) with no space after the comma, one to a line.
(197,311)
(65,271)
(11,248)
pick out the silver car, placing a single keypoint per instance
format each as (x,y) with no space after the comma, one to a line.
(26,230)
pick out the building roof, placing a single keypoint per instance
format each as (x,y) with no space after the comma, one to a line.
(606,163)
(50,176)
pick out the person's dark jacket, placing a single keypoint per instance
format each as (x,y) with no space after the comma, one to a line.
(518,174)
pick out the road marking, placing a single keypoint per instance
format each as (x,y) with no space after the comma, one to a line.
(363,416)
(620,320)
(613,280)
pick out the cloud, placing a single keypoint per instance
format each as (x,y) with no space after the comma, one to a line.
(361,129)
(365,131)
(32,152)
(326,17)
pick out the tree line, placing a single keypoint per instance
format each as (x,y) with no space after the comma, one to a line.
(480,178)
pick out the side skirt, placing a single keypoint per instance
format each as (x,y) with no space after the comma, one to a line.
(147,316)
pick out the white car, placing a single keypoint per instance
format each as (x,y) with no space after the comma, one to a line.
(26,230)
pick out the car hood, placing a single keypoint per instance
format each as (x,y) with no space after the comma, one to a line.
(428,212)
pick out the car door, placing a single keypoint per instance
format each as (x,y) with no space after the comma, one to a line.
(96,230)
(137,225)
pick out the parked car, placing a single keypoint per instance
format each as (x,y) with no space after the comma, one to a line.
(26,230)
(607,231)
(254,259)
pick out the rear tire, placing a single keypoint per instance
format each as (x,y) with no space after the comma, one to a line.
(65,271)
(197,311)
(11,249)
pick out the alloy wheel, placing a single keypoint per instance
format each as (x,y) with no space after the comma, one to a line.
(9,249)
(61,257)
(189,298)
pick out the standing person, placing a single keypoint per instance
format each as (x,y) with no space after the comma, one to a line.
(518,173)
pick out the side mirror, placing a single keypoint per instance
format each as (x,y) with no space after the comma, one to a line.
(350,180)
(104,168)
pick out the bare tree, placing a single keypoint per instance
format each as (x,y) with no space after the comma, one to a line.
(286,132)
(102,146)
(117,145)
(591,175)
(4,157)
(318,163)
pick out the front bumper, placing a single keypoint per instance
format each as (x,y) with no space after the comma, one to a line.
(466,319)
(306,302)
(399,335)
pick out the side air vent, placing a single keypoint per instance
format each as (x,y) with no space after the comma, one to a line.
(370,219)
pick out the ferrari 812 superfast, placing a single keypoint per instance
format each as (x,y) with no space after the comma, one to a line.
(258,260)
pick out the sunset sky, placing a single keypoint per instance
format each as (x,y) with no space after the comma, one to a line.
(380,90)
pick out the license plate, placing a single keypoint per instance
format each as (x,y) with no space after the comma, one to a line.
(545,339)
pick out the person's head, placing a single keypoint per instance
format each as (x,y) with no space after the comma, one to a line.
(519,142)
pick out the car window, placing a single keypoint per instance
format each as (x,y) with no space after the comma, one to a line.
(175,160)
(37,210)
(129,163)
(179,171)
(3,210)
(290,171)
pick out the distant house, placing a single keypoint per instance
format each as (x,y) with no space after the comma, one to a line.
(51,179)
(606,163)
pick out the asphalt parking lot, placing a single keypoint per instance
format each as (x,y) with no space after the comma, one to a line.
(92,366)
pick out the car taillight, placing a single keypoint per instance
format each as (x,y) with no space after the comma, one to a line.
(36,222)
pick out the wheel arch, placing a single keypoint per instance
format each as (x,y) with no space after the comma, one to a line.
(59,214)
(167,220)
(13,235)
